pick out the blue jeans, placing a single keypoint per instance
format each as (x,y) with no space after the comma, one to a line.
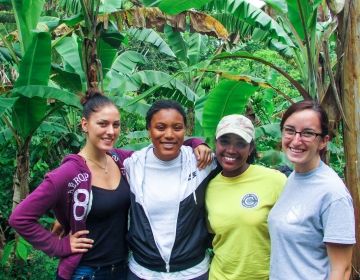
(110,272)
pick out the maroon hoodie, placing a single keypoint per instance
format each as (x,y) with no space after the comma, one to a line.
(67,191)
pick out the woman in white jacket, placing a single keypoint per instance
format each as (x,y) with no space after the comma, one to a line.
(167,236)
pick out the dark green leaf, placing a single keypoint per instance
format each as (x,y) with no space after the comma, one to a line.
(27,14)
(9,247)
(35,65)
(106,53)
(68,49)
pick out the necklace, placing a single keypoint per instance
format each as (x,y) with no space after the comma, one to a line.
(97,164)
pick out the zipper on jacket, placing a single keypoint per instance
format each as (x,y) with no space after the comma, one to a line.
(167,266)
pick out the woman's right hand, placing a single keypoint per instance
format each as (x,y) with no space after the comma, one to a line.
(80,244)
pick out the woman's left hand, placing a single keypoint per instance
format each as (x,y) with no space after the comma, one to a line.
(203,155)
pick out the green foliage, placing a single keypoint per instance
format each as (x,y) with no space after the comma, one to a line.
(33,265)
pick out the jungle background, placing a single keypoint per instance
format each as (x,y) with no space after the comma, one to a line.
(215,57)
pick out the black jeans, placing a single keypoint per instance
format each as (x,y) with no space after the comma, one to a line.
(132,276)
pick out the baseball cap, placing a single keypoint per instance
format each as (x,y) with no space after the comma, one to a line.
(236,124)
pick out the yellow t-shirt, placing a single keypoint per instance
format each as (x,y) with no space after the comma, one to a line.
(238,208)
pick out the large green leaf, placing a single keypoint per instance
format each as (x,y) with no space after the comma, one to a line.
(27,13)
(172,8)
(31,108)
(152,37)
(68,49)
(107,47)
(228,97)
(46,92)
(106,53)
(35,65)
(28,112)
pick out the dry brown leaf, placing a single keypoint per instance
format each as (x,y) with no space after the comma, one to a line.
(154,18)
(205,24)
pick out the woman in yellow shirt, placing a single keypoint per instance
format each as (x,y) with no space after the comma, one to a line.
(238,201)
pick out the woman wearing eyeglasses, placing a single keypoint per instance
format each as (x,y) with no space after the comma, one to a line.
(312,224)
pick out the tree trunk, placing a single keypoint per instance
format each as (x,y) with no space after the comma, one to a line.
(351,105)
(21,176)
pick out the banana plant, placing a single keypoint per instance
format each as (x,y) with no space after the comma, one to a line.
(295,31)
(27,105)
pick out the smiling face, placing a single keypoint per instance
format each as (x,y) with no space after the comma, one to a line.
(232,151)
(167,132)
(304,154)
(102,127)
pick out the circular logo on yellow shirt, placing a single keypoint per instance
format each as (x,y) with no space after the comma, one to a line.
(250,200)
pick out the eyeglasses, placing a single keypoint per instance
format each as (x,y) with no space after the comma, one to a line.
(305,135)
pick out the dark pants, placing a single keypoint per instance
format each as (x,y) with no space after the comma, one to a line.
(132,276)
(110,272)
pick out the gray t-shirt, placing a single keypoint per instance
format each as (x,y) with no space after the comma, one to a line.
(314,208)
